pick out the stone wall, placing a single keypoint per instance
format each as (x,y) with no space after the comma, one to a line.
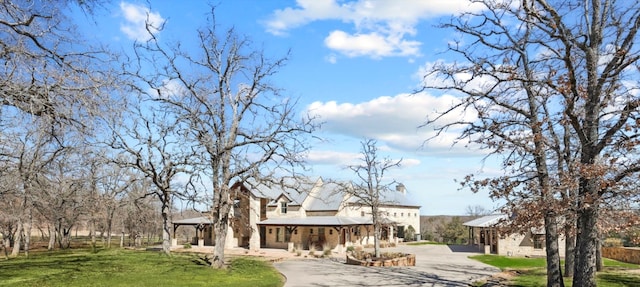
(628,255)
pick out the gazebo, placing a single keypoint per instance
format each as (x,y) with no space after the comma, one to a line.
(202,224)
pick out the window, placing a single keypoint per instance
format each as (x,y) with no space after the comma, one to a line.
(330,231)
(538,241)
(311,231)
(279,234)
(402,214)
(270,230)
(362,213)
(395,214)
(283,207)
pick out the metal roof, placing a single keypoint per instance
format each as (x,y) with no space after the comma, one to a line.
(486,221)
(193,221)
(318,221)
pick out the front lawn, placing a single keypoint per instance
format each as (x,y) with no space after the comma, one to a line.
(532,271)
(117,267)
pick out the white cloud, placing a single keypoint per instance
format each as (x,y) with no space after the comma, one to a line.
(137,17)
(373,44)
(344,159)
(395,120)
(331,59)
(169,89)
(380,27)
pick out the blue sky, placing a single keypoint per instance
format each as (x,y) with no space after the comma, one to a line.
(354,64)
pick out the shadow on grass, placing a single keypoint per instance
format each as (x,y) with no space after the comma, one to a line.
(620,278)
(464,248)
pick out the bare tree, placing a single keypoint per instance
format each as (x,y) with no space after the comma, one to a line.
(113,184)
(47,68)
(241,124)
(476,210)
(372,189)
(152,146)
(532,67)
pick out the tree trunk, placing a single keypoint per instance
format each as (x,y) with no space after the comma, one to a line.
(570,246)
(109,226)
(92,233)
(66,237)
(166,233)
(52,237)
(585,271)
(17,240)
(6,242)
(554,268)
(599,254)
(376,240)
(220,228)
(27,233)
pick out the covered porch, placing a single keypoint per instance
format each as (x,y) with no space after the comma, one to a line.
(483,232)
(320,232)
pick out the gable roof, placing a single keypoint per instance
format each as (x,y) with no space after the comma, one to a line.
(321,196)
(486,221)
(318,220)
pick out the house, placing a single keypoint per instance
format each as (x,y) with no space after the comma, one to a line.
(485,234)
(310,215)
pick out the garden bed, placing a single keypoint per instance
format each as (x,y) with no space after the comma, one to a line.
(386,260)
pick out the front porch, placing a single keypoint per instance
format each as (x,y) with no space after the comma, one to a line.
(320,232)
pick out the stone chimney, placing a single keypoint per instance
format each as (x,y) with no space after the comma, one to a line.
(400,187)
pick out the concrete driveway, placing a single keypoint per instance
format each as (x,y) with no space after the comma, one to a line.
(436,265)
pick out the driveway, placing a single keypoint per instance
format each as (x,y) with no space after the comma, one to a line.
(436,265)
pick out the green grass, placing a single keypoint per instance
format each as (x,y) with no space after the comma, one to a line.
(532,271)
(119,267)
(503,262)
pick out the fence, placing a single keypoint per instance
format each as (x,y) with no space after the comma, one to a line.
(629,255)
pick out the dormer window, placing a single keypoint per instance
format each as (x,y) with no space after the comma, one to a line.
(283,207)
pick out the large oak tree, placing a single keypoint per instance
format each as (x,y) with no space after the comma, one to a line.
(536,72)
(240,123)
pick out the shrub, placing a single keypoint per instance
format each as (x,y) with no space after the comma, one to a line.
(187,246)
(410,234)
(351,249)
(312,251)
(326,250)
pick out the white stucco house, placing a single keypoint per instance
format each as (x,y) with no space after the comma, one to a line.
(312,215)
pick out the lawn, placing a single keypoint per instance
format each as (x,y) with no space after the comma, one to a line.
(532,271)
(118,267)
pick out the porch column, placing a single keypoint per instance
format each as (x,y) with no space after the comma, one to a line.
(174,240)
(200,236)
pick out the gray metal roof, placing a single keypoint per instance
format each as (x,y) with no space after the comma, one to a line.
(318,221)
(327,197)
(486,221)
(193,221)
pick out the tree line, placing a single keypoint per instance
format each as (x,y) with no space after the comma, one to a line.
(92,134)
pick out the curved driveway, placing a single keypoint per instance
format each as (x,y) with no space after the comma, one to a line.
(436,265)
